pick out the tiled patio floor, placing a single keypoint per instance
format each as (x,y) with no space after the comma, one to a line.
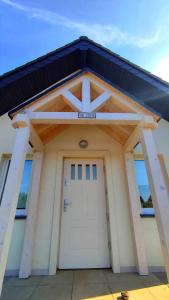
(87,285)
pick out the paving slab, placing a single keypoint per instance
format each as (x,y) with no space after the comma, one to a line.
(63,277)
(162,276)
(58,292)
(89,276)
(136,295)
(99,284)
(31,281)
(151,278)
(17,292)
(160,292)
(93,291)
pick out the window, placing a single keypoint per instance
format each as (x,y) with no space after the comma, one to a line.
(72,172)
(84,171)
(25,184)
(94,172)
(87,172)
(79,172)
(144,188)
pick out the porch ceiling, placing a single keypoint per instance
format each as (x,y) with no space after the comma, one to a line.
(119,133)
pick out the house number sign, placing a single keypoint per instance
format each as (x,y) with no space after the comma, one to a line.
(86,115)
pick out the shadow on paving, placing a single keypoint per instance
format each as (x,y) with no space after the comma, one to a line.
(87,285)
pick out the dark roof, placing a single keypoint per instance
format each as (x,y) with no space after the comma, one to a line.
(23,83)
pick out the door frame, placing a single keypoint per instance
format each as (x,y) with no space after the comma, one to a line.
(111,203)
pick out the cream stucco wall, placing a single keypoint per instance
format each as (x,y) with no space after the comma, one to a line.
(68,140)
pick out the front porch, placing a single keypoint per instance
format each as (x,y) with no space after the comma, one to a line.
(124,122)
(99,284)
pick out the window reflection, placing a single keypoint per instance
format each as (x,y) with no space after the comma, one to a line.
(72,172)
(143,186)
(88,172)
(94,172)
(79,172)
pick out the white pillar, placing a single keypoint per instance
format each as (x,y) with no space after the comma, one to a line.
(1,156)
(11,194)
(158,191)
(134,201)
(86,95)
(27,252)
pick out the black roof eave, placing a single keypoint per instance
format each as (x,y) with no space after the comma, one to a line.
(83,43)
(22,84)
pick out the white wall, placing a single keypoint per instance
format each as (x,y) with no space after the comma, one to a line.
(68,140)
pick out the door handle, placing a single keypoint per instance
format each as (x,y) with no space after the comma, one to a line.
(66,203)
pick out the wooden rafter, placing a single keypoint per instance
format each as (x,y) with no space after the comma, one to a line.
(100,101)
(74,102)
(113,133)
(52,131)
(121,99)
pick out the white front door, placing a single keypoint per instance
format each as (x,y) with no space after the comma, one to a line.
(84,234)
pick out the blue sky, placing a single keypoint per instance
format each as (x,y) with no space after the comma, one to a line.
(137,30)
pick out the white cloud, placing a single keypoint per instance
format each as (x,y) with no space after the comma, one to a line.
(162,68)
(104,34)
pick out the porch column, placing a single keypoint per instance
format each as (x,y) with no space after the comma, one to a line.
(27,252)
(158,190)
(134,201)
(1,156)
(11,193)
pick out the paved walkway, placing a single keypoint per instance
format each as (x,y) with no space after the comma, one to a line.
(87,285)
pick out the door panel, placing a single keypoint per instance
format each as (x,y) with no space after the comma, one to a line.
(84,238)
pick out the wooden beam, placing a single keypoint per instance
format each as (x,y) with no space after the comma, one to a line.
(27,252)
(19,121)
(72,100)
(1,154)
(117,97)
(158,190)
(128,129)
(122,100)
(113,134)
(132,141)
(10,196)
(86,95)
(137,227)
(40,128)
(51,96)
(100,100)
(73,118)
(35,139)
(52,132)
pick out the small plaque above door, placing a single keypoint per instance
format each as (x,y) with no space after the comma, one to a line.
(86,115)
